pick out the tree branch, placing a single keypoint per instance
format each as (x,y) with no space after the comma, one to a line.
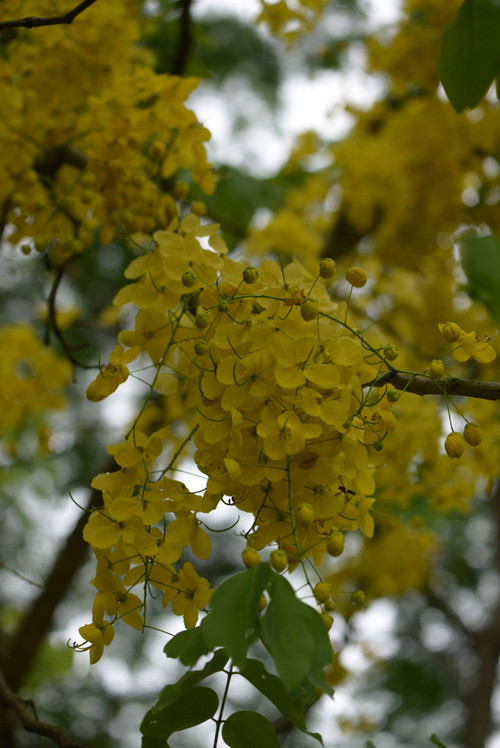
(30,723)
(22,649)
(32,22)
(421,385)
(185,38)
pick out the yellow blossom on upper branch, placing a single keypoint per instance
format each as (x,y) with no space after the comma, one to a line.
(89,144)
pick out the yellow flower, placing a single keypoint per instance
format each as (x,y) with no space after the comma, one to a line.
(103,532)
(286,435)
(332,408)
(112,375)
(139,447)
(297,362)
(149,505)
(152,333)
(189,593)
(470,346)
(98,635)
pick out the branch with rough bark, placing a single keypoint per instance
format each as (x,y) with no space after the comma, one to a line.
(422,385)
(23,708)
(32,22)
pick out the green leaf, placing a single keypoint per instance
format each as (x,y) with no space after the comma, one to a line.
(469,57)
(187,646)
(296,638)
(172,692)
(153,743)
(249,730)
(190,709)
(481,264)
(322,652)
(271,686)
(235,618)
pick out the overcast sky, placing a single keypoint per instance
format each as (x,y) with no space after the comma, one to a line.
(307,102)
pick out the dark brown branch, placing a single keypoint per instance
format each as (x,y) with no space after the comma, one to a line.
(185,36)
(421,385)
(32,22)
(486,643)
(22,649)
(22,708)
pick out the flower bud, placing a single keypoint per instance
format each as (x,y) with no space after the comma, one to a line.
(454,445)
(327,620)
(393,396)
(451,332)
(199,208)
(473,434)
(322,592)
(188,279)
(309,309)
(250,557)
(250,274)
(335,543)
(327,268)
(304,515)
(358,597)
(436,369)
(201,320)
(279,560)
(201,348)
(356,277)
(391,352)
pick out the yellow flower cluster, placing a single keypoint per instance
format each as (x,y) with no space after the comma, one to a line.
(288,19)
(33,378)
(92,147)
(276,378)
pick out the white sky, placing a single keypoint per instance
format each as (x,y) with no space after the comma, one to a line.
(307,102)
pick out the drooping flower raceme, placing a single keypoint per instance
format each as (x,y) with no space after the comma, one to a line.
(281,418)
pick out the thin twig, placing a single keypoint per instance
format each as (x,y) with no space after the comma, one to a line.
(32,22)
(31,724)
(421,385)
(53,325)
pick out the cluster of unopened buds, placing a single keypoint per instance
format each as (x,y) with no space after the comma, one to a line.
(466,346)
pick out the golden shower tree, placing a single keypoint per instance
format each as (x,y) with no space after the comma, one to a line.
(324,380)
